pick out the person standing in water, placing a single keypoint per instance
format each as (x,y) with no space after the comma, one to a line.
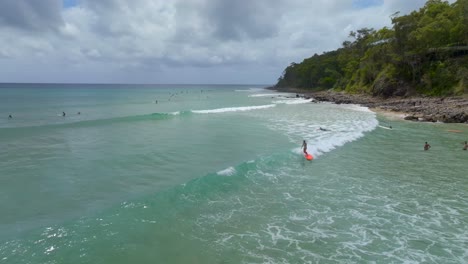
(427,146)
(304,147)
(465,146)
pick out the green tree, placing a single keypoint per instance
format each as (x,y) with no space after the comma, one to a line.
(424,51)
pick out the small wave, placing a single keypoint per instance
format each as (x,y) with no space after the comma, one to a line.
(101,122)
(156,115)
(227,172)
(233,109)
(251,90)
(293,101)
(179,113)
(266,95)
(343,124)
(356,108)
(339,138)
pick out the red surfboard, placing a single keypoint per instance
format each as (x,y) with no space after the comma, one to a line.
(308,156)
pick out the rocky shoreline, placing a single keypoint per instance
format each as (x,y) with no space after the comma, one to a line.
(424,109)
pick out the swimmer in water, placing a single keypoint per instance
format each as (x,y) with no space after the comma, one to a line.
(427,146)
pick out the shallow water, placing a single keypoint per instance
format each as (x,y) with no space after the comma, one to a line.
(215,174)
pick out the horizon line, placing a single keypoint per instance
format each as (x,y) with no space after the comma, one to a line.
(110,83)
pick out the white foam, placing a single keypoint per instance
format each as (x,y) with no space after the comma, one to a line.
(354,107)
(266,95)
(227,172)
(293,101)
(50,249)
(295,217)
(344,123)
(233,109)
(251,90)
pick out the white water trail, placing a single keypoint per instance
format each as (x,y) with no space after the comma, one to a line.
(233,109)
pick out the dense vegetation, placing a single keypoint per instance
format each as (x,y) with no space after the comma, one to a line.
(425,52)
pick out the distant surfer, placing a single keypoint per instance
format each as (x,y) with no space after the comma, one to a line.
(427,146)
(304,147)
(63,114)
(79,113)
(323,129)
(10,117)
(465,146)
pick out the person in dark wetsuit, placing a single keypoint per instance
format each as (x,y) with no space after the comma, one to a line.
(304,147)
(427,146)
(465,147)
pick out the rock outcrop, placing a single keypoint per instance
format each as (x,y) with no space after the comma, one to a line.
(428,109)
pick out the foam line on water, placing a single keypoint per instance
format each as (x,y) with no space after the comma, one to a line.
(293,101)
(268,95)
(324,127)
(354,107)
(251,90)
(233,109)
(227,172)
(320,144)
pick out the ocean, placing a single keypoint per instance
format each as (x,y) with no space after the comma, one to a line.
(216,174)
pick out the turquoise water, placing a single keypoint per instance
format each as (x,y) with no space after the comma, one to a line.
(215,174)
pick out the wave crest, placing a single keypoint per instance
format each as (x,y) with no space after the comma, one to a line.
(233,109)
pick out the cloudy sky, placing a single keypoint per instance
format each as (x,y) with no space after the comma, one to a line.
(175,41)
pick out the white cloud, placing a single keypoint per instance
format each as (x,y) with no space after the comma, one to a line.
(175,41)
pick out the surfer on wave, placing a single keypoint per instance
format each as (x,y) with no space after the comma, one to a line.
(304,147)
